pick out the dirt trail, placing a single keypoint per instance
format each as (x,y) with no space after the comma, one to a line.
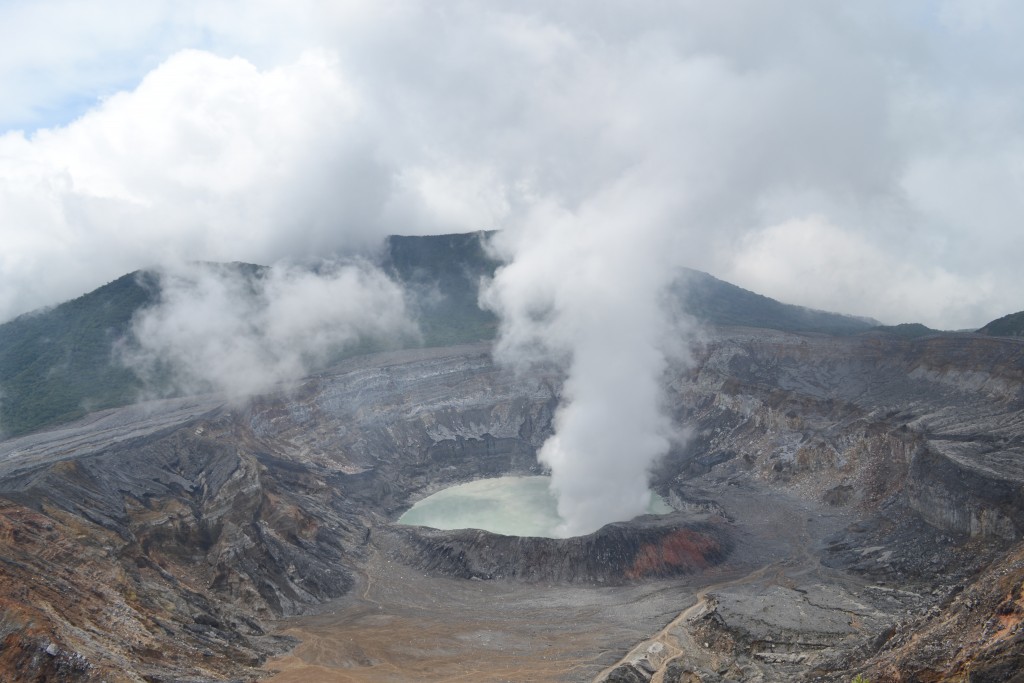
(764,516)
(677,641)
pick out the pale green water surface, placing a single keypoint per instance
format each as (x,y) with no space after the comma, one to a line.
(514,506)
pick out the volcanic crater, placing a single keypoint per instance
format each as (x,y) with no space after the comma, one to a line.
(842,506)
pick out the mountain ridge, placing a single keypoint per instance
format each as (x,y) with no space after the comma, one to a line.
(60,363)
(1011,325)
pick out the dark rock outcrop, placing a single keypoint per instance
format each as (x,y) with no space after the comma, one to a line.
(644,548)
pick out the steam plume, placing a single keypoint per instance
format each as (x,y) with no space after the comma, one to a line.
(585,286)
(241,330)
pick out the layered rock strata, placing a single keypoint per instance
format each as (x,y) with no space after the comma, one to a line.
(157,543)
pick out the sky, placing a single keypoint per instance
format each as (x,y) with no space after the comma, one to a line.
(865,157)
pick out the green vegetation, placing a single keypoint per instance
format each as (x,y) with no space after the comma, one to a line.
(58,364)
(860,679)
(713,301)
(906,330)
(1008,326)
(443,273)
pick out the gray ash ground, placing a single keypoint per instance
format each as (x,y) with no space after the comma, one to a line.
(771,611)
(845,505)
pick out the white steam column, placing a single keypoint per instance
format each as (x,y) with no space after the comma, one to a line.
(584,288)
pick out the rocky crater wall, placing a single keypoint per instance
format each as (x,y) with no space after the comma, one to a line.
(936,423)
(199,523)
(649,547)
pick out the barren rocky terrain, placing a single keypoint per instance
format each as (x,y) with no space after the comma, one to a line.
(844,505)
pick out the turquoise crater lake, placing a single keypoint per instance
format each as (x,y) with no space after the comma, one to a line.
(513,506)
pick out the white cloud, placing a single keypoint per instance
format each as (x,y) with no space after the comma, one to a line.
(353,120)
(217,327)
(812,262)
(447,197)
(207,158)
(61,56)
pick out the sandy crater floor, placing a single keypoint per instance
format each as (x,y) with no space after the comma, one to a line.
(409,627)
(403,625)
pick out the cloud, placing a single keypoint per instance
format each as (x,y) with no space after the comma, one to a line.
(212,138)
(244,331)
(785,259)
(62,56)
(857,157)
(212,158)
(207,157)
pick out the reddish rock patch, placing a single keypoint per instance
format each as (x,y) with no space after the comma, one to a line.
(679,552)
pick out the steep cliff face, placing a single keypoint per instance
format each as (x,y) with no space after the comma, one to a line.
(163,553)
(937,421)
(613,555)
(158,543)
(976,634)
(923,440)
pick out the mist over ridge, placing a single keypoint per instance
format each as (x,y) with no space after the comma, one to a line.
(243,331)
(56,364)
(213,328)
